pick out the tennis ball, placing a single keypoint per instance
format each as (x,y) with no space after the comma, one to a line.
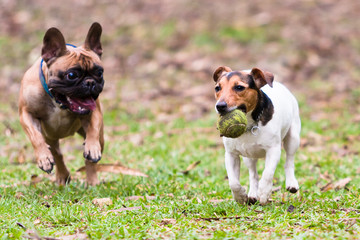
(232,124)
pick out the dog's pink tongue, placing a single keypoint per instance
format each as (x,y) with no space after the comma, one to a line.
(87,103)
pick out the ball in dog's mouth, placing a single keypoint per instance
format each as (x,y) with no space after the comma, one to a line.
(74,104)
(232,124)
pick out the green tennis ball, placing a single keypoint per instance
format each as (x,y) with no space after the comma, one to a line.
(232,124)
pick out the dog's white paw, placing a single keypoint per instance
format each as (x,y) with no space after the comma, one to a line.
(264,191)
(252,197)
(92,151)
(239,193)
(46,162)
(292,185)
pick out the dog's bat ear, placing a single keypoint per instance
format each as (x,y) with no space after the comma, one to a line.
(92,40)
(262,78)
(219,71)
(53,45)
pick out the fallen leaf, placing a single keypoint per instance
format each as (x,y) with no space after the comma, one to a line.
(167,221)
(139,197)
(31,234)
(77,236)
(337,185)
(100,202)
(191,167)
(116,168)
(327,187)
(341,183)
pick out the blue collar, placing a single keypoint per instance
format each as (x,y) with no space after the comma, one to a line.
(43,81)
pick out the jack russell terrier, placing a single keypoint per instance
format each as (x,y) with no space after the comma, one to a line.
(273,118)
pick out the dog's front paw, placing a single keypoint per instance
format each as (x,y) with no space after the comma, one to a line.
(264,192)
(239,194)
(92,152)
(252,196)
(46,162)
(292,186)
(252,200)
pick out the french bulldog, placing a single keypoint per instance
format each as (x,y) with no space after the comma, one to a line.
(59,97)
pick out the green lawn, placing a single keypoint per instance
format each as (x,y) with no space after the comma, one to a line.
(159,115)
(177,205)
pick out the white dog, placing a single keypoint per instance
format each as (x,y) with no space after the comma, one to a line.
(273,118)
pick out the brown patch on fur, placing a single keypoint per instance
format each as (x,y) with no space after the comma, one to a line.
(234,98)
(77,56)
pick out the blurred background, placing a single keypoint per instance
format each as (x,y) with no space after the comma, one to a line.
(159,55)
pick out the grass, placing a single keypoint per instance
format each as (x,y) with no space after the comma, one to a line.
(176,47)
(187,200)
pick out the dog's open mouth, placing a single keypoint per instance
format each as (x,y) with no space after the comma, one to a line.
(74,104)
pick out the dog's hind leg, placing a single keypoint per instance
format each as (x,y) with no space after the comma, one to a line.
(291,144)
(253,179)
(232,164)
(62,173)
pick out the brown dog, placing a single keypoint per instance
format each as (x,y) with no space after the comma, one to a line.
(59,96)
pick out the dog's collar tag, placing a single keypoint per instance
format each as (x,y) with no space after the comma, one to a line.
(255,130)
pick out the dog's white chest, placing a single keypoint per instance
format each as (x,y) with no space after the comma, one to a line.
(247,145)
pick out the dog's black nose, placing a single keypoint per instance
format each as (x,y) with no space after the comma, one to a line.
(221,107)
(90,83)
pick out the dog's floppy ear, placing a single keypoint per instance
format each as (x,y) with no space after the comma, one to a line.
(262,77)
(219,71)
(92,41)
(53,45)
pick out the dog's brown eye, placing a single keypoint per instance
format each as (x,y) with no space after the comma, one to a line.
(217,88)
(239,88)
(72,75)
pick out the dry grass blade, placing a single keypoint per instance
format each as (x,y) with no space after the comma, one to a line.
(115,168)
(127,209)
(191,167)
(223,218)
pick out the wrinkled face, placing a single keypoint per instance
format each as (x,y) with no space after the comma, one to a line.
(76,80)
(235,90)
